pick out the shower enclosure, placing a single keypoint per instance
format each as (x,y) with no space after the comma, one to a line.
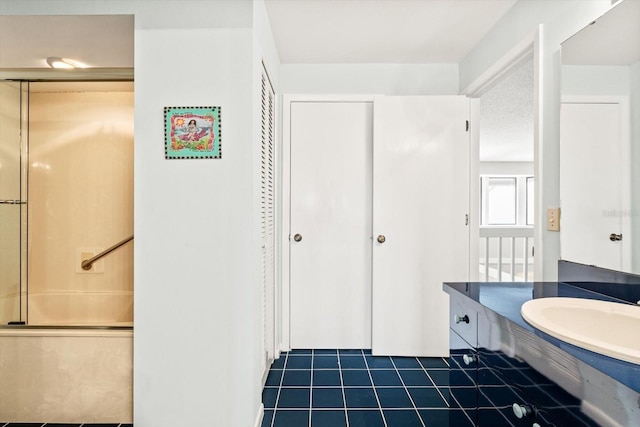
(66,196)
(13,212)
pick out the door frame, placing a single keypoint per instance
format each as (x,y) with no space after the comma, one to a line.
(531,45)
(285,211)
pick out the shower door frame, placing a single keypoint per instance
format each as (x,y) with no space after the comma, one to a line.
(20,200)
(23,77)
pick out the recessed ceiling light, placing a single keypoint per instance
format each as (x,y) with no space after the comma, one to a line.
(57,62)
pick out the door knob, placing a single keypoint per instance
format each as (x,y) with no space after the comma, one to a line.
(381,238)
(297,237)
(615,237)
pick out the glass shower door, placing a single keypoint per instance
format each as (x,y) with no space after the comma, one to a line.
(13,210)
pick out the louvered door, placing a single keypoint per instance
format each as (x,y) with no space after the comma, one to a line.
(267,178)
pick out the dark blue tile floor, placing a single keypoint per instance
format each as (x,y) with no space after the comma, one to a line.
(352,388)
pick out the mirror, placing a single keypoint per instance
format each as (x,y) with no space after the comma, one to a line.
(600,142)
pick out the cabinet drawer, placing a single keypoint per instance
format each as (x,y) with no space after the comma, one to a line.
(506,382)
(464,321)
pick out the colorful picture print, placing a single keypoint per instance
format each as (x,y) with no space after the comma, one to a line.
(192,133)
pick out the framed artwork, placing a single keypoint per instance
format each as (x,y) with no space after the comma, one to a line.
(192,133)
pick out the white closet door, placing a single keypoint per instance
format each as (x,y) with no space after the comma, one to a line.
(267,215)
(330,266)
(420,200)
(594,184)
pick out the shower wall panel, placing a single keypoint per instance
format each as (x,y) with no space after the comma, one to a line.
(81,202)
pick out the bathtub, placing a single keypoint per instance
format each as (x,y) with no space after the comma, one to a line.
(67,374)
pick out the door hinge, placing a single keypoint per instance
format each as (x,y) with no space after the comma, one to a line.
(467,126)
(466,219)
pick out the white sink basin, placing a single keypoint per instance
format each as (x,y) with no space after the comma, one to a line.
(608,328)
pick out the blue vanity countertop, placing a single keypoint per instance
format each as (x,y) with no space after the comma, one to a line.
(506,299)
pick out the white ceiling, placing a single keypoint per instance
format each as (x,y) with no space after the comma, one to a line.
(96,40)
(327,31)
(380,31)
(506,118)
(305,31)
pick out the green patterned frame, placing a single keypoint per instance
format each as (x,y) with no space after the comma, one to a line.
(192,133)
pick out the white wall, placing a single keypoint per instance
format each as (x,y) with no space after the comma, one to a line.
(195,264)
(380,79)
(635,160)
(506,168)
(559,19)
(595,80)
(264,51)
(196,273)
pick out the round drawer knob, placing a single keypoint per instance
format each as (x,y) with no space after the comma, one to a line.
(468,359)
(521,411)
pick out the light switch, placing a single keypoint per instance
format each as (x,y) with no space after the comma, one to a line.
(553,219)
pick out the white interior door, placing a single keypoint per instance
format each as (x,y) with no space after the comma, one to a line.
(330,211)
(594,184)
(421,198)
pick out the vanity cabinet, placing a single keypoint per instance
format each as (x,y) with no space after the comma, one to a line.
(513,393)
(463,380)
(493,389)
(463,362)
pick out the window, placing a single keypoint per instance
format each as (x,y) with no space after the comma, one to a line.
(506,200)
(501,201)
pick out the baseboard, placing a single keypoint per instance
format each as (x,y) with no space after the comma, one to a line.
(260,416)
(598,415)
(265,374)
